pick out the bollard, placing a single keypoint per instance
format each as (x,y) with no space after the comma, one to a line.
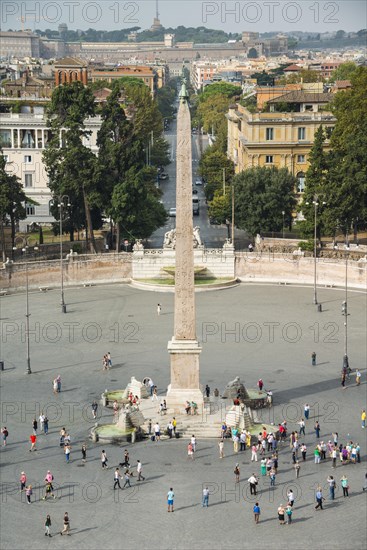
(1,365)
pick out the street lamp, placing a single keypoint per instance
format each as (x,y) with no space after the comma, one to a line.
(316,204)
(27,314)
(60,205)
(283,213)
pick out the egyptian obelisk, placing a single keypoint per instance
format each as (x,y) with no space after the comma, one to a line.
(184,348)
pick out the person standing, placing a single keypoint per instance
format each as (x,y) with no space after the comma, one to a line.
(260,384)
(254,449)
(313,358)
(174,424)
(237,473)
(47,526)
(170,499)
(139,471)
(297,468)
(190,451)
(159,309)
(104,459)
(243,441)
(221,448)
(281,513)
(157,431)
(334,455)
(116,478)
(23,481)
(35,426)
(317,429)
(109,360)
(272,477)
(45,425)
(290,496)
(205,502)
(303,451)
(288,513)
(29,493)
(306,411)
(257,512)
(358,377)
(41,420)
(236,440)
(301,427)
(363,418)
(253,483)
(155,394)
(345,486)
(207,391)
(67,450)
(193,443)
(66,528)
(84,453)
(331,482)
(319,498)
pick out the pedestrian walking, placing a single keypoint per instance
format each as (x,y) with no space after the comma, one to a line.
(45,425)
(221,449)
(54,386)
(313,358)
(127,476)
(139,469)
(306,411)
(257,512)
(317,429)
(49,478)
(253,483)
(35,426)
(23,481)
(363,418)
(281,514)
(4,433)
(207,391)
(84,453)
(345,486)
(332,484)
(260,384)
(263,463)
(159,309)
(116,477)
(170,499)
(48,491)
(62,437)
(66,528)
(155,394)
(254,450)
(109,360)
(33,440)
(237,473)
(94,409)
(288,513)
(334,455)
(193,443)
(236,441)
(319,499)
(104,459)
(67,451)
(205,501)
(29,493)
(297,468)
(190,451)
(302,427)
(47,526)
(358,377)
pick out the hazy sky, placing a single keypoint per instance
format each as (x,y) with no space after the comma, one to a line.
(234,16)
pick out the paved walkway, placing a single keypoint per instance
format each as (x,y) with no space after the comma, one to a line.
(253,332)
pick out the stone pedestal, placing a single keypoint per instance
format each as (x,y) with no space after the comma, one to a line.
(185,383)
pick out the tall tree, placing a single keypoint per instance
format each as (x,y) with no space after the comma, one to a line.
(316,186)
(261,195)
(70,165)
(214,166)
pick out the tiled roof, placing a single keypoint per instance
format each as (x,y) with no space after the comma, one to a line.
(302,97)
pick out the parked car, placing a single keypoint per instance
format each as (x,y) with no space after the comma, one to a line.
(163,176)
(172,212)
(198,182)
(194,191)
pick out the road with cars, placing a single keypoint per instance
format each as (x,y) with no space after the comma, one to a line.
(213,236)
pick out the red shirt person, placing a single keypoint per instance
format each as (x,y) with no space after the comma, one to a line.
(33,439)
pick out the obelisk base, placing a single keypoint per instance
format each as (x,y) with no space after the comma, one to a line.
(185,383)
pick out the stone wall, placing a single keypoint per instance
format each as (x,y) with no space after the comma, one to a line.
(288,268)
(148,264)
(83,269)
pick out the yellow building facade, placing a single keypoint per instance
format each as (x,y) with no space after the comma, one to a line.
(281,139)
